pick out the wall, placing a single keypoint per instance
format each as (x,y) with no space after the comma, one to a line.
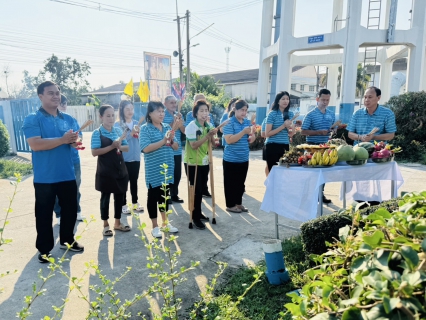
(247,91)
(83,113)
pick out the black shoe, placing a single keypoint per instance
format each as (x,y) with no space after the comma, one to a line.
(75,247)
(199,225)
(41,259)
(325,200)
(204,218)
(207,194)
(177,199)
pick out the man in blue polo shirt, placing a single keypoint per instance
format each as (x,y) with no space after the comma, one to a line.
(317,123)
(372,116)
(170,103)
(51,138)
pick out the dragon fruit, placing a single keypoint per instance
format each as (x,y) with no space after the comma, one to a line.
(375,154)
(385,153)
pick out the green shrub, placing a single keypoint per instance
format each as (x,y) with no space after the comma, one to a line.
(4,140)
(410,117)
(375,272)
(8,168)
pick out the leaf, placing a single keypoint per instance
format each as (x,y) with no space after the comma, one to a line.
(390,303)
(344,232)
(359,263)
(324,316)
(420,228)
(383,213)
(375,239)
(424,245)
(293,308)
(381,259)
(410,256)
(352,314)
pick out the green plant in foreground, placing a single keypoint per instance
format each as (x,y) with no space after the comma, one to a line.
(376,270)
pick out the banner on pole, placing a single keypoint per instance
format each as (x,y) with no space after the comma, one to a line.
(158,73)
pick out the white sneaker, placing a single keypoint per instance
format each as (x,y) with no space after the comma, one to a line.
(125,209)
(171,228)
(59,221)
(137,207)
(156,232)
(80,217)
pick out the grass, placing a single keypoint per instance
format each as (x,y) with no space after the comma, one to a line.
(8,168)
(263,301)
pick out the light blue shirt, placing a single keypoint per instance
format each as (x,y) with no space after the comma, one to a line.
(153,160)
(169,118)
(239,151)
(263,126)
(276,118)
(190,117)
(113,135)
(316,120)
(225,117)
(134,153)
(362,123)
(54,165)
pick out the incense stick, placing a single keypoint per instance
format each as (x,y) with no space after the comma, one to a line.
(85,125)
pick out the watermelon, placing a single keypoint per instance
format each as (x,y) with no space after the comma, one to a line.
(361,153)
(345,153)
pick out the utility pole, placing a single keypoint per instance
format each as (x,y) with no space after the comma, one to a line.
(188,68)
(227,50)
(179,45)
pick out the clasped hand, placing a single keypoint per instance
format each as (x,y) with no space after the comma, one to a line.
(70,137)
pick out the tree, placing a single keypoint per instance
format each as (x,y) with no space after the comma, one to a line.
(362,80)
(201,84)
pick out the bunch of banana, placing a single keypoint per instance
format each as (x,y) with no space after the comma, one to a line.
(328,158)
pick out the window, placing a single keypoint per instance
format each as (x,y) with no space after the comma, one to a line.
(312,88)
(293,86)
(302,87)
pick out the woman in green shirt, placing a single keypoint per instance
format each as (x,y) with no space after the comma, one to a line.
(198,134)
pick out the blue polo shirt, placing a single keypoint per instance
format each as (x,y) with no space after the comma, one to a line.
(74,151)
(276,118)
(54,165)
(316,120)
(190,117)
(153,160)
(113,135)
(134,153)
(225,117)
(169,118)
(239,151)
(362,123)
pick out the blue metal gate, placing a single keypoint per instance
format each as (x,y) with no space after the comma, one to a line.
(140,110)
(20,109)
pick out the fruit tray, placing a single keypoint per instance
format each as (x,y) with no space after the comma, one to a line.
(382,160)
(356,162)
(285,164)
(307,166)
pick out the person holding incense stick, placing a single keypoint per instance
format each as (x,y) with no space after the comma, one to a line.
(277,124)
(239,133)
(158,142)
(111,173)
(199,133)
(132,158)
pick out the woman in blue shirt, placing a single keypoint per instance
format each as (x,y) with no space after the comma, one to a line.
(132,158)
(157,142)
(111,172)
(276,131)
(225,117)
(238,134)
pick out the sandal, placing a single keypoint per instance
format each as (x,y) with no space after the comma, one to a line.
(125,210)
(122,227)
(242,208)
(107,232)
(233,209)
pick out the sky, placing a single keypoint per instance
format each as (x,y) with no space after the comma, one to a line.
(112,35)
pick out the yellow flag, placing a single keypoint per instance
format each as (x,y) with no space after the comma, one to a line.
(140,91)
(129,88)
(146,90)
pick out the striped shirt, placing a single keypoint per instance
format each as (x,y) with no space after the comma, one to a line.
(113,135)
(153,160)
(194,131)
(169,118)
(276,118)
(263,126)
(316,120)
(362,123)
(134,153)
(190,117)
(225,117)
(239,151)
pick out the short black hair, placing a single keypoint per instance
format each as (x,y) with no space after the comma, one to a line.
(152,106)
(103,108)
(63,99)
(323,91)
(378,91)
(197,105)
(41,86)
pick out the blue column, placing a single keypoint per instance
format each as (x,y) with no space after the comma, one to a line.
(275,268)
(275,58)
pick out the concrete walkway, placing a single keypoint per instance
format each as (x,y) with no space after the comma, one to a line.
(236,238)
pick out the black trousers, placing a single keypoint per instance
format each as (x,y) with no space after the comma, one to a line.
(177,174)
(155,198)
(202,176)
(234,178)
(133,170)
(45,195)
(273,152)
(118,203)
(205,184)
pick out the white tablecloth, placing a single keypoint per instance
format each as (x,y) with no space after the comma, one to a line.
(293,192)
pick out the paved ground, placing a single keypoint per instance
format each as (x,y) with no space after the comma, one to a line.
(235,238)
